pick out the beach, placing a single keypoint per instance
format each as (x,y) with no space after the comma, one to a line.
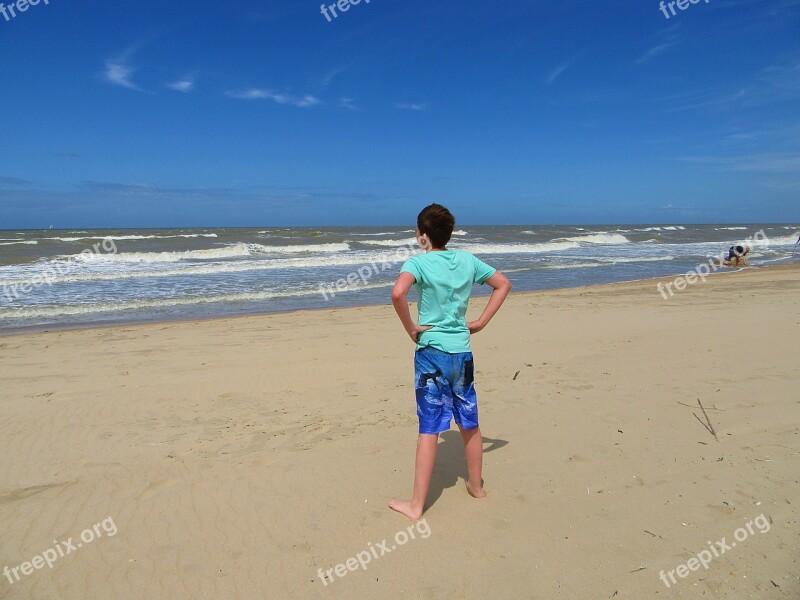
(241,457)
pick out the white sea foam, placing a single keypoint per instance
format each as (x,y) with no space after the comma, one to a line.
(516,248)
(661,228)
(237,250)
(634,259)
(131,237)
(261,248)
(394,243)
(57,271)
(784,240)
(50,311)
(401,242)
(598,238)
(29,242)
(382,233)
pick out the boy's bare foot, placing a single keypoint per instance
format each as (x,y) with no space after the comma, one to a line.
(404,507)
(479,493)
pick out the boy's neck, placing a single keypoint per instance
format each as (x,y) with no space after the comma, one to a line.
(437,249)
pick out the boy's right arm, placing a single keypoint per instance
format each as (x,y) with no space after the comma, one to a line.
(501,286)
(400,302)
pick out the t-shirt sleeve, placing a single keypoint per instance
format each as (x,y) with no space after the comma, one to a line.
(410,266)
(482,270)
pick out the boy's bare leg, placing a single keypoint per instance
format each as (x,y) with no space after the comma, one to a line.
(473,450)
(426,457)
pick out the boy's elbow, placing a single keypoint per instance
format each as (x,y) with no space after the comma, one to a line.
(398,296)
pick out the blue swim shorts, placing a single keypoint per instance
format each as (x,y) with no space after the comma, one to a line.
(444,385)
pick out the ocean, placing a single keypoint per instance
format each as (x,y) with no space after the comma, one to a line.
(77,278)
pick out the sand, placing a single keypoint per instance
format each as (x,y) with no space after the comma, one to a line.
(237,457)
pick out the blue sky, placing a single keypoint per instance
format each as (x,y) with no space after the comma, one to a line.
(264,113)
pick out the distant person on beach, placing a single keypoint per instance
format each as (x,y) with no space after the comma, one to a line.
(443,364)
(736,254)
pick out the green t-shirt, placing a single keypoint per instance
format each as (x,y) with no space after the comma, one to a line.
(444,282)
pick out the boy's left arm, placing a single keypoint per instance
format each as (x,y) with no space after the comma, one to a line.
(400,303)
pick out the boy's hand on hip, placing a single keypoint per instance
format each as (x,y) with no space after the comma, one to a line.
(418,329)
(475,326)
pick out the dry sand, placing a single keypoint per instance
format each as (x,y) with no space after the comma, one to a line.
(237,457)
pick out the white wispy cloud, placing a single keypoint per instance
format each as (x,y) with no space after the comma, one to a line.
(262,94)
(345,102)
(666,39)
(655,51)
(557,71)
(412,106)
(330,76)
(781,82)
(773,84)
(119,71)
(185,84)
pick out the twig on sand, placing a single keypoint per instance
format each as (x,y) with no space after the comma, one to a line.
(712,407)
(641,568)
(515,376)
(707,424)
(653,534)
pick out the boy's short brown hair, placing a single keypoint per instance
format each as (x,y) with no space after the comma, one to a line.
(438,222)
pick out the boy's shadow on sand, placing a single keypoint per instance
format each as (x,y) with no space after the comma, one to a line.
(451,464)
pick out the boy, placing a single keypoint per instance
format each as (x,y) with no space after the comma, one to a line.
(443,362)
